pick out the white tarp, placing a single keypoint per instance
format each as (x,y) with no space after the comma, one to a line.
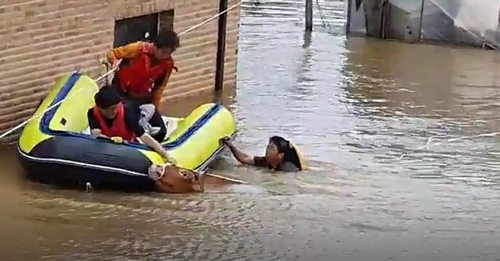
(479,18)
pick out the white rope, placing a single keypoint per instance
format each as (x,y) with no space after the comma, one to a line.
(428,143)
(5,134)
(212,18)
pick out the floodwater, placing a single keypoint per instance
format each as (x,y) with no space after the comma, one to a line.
(354,107)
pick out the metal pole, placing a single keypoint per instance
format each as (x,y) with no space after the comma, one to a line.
(384,13)
(309,15)
(348,23)
(422,6)
(221,46)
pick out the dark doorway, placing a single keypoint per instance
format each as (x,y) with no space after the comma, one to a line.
(135,29)
(141,28)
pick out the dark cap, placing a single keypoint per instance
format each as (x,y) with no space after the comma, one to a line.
(167,39)
(281,143)
(106,97)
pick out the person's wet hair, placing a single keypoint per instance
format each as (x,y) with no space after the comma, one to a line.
(289,152)
(167,39)
(106,97)
(281,143)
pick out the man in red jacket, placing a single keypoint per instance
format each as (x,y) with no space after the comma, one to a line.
(144,68)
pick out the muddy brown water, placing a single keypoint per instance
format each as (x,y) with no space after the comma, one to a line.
(353,106)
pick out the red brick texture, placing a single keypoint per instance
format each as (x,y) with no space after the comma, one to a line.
(40,40)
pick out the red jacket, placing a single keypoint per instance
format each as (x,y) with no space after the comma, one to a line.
(119,129)
(139,77)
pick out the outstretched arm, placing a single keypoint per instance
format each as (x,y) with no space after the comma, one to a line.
(156,146)
(129,51)
(240,156)
(132,117)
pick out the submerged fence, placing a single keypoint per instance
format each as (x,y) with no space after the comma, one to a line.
(474,22)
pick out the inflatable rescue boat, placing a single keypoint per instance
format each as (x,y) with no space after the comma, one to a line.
(56,147)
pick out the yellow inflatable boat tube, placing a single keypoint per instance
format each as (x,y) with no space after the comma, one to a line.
(55,147)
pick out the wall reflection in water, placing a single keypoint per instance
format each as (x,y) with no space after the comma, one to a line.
(390,79)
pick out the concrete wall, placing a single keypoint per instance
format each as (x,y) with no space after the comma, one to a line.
(356,19)
(44,39)
(449,21)
(373,16)
(404,22)
(368,20)
(400,24)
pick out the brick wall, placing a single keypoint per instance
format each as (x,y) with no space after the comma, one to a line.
(40,40)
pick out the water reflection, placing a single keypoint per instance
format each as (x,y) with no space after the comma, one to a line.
(403,83)
(401,80)
(304,82)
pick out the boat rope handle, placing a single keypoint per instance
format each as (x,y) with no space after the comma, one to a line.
(5,134)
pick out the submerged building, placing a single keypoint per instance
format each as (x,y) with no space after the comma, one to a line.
(464,22)
(43,40)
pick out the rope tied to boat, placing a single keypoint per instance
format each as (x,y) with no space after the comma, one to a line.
(100,78)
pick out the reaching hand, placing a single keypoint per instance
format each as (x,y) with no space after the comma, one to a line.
(116,64)
(169,159)
(226,140)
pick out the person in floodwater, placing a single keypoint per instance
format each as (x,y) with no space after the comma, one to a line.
(280,155)
(143,68)
(111,118)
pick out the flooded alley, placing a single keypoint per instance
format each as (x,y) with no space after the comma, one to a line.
(360,110)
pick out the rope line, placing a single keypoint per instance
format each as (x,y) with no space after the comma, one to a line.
(322,17)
